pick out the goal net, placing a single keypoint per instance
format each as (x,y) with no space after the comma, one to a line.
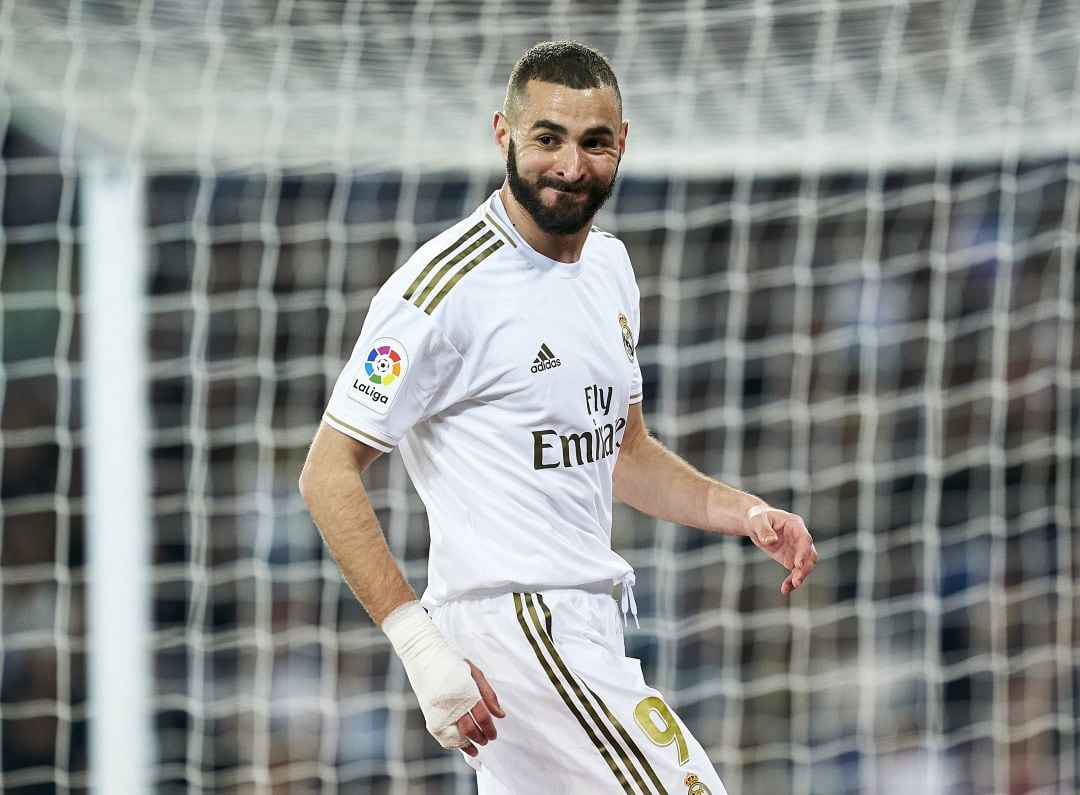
(854,226)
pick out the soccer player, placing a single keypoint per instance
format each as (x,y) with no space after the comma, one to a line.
(500,359)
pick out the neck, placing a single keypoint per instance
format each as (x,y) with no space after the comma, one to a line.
(561,248)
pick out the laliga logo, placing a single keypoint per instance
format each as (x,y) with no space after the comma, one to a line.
(383,365)
(376,385)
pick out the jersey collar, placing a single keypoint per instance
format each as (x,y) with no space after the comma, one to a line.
(565,270)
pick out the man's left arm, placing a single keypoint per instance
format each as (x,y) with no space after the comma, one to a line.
(658,482)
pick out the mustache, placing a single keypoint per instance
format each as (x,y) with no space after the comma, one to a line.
(589,186)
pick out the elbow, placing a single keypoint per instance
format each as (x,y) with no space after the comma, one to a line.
(307,482)
(620,475)
(304,484)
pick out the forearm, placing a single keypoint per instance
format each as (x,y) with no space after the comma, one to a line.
(457,701)
(654,480)
(658,482)
(338,502)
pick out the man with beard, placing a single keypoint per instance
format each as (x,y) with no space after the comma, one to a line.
(501,359)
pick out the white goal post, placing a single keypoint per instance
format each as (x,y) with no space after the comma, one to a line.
(117,483)
(854,225)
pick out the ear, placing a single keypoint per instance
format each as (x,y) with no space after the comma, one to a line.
(623,130)
(501,126)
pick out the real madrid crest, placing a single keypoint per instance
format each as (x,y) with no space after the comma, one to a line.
(695,785)
(627,336)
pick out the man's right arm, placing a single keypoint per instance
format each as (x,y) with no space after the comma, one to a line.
(333,490)
(457,701)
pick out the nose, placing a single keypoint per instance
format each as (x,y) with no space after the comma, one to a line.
(570,165)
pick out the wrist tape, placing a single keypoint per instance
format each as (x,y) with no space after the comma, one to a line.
(439,676)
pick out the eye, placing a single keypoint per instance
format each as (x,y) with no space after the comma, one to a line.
(546,140)
(598,144)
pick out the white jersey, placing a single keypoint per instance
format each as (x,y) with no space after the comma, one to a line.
(505,377)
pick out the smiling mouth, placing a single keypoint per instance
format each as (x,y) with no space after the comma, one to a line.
(571,192)
(561,185)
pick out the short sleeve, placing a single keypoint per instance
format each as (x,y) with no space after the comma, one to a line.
(402,370)
(636,389)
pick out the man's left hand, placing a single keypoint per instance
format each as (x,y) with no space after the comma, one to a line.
(784,538)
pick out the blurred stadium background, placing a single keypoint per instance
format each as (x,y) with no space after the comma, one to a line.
(855,229)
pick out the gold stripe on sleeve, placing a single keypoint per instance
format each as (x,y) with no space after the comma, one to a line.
(491,220)
(442,254)
(356,430)
(463,271)
(465,252)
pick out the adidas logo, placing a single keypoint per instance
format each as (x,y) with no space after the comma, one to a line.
(544,360)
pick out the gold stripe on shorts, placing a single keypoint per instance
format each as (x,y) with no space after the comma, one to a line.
(528,617)
(628,740)
(634,747)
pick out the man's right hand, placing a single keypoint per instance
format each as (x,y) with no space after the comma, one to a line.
(458,703)
(478,724)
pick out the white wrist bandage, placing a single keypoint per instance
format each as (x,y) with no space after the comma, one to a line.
(439,676)
(757,510)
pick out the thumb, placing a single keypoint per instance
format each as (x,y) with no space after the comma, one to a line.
(760,525)
(487,693)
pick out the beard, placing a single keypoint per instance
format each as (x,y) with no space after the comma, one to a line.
(565,217)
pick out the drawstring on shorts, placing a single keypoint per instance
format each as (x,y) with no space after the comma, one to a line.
(626,600)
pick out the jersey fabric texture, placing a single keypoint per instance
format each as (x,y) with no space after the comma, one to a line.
(579,716)
(505,378)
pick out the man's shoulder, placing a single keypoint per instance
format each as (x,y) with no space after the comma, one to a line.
(604,240)
(436,268)
(606,247)
(476,232)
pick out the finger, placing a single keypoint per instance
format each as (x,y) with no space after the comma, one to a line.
(789,584)
(804,565)
(483,721)
(487,693)
(805,544)
(798,575)
(470,750)
(470,730)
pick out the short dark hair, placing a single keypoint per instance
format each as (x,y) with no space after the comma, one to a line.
(565,63)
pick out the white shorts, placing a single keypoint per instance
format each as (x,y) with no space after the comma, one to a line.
(579,716)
